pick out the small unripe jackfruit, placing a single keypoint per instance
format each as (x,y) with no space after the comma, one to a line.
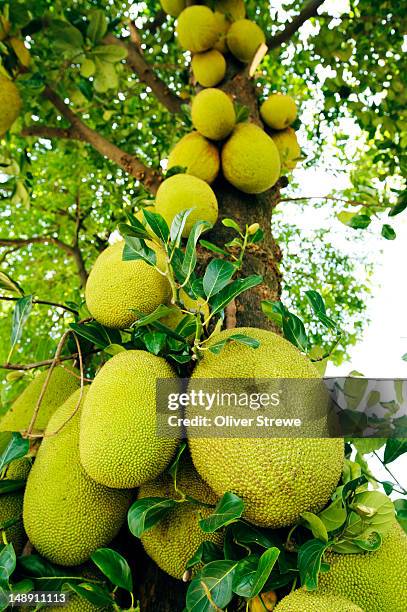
(196,29)
(278,111)
(376,581)
(115,286)
(250,159)
(119,445)
(67,515)
(183,191)
(288,147)
(198,155)
(11,509)
(303,601)
(235,9)
(10,104)
(244,38)
(213,113)
(277,478)
(61,385)
(175,539)
(209,67)
(173,7)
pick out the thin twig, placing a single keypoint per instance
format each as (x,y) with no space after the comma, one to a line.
(310,10)
(351,202)
(389,471)
(40,364)
(75,375)
(35,301)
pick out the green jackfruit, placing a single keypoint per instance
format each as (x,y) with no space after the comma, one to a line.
(288,147)
(244,37)
(173,7)
(222,26)
(196,29)
(278,478)
(209,68)
(115,286)
(278,111)
(234,9)
(250,159)
(376,581)
(301,601)
(66,514)
(78,604)
(175,539)
(10,104)
(11,508)
(198,155)
(61,385)
(183,191)
(119,445)
(19,469)
(213,113)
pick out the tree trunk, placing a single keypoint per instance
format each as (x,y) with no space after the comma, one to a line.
(156,591)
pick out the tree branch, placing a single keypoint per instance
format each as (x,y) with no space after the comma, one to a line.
(43,131)
(72,251)
(35,301)
(310,10)
(38,364)
(137,63)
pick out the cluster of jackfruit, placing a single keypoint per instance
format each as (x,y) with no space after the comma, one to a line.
(10,104)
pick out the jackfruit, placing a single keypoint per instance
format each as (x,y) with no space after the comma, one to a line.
(209,68)
(173,7)
(213,113)
(244,37)
(18,469)
(61,385)
(234,9)
(301,601)
(183,191)
(199,156)
(222,25)
(78,604)
(175,539)
(196,29)
(376,581)
(250,159)
(277,478)
(11,508)
(10,104)
(115,286)
(278,111)
(67,515)
(288,147)
(119,445)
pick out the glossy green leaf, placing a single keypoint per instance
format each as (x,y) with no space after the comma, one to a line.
(114,566)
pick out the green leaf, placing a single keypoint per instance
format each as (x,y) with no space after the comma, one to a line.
(231,223)
(145,513)
(158,224)
(360,222)
(228,509)
(190,258)
(97,26)
(160,312)
(334,516)
(16,448)
(8,284)
(95,594)
(175,170)
(316,301)
(137,249)
(22,310)
(394,449)
(245,534)
(316,525)
(105,76)
(205,553)
(10,486)
(217,275)
(309,562)
(242,112)
(214,580)
(400,206)
(173,469)
(266,564)
(388,232)
(114,349)
(87,68)
(67,37)
(244,574)
(178,224)
(400,506)
(213,247)
(154,341)
(114,566)
(109,53)
(97,334)
(354,389)
(230,292)
(7,564)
